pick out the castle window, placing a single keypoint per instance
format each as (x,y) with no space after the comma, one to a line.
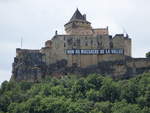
(74,44)
(78,42)
(111,45)
(91,42)
(86,43)
(70,41)
(64,44)
(99,44)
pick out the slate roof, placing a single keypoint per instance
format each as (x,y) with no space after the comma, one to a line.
(77,16)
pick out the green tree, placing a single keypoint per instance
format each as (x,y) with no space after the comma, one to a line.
(104,107)
(93,95)
(129,91)
(146,110)
(4,86)
(72,94)
(79,88)
(5,100)
(148,55)
(110,90)
(124,107)
(95,81)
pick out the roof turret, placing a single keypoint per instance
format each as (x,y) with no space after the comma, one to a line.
(78,16)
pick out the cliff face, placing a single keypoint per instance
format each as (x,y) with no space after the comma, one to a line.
(29,66)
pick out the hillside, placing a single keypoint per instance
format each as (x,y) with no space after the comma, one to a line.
(74,94)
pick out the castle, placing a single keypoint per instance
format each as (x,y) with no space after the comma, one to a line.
(82,50)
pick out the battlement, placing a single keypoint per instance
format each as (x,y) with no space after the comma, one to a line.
(20,51)
(100,31)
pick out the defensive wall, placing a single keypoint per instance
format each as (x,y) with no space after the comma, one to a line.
(31,67)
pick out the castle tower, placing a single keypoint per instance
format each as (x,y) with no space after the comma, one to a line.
(78,25)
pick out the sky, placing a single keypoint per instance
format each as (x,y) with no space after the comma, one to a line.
(36,21)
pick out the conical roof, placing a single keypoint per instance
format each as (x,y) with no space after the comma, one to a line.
(77,16)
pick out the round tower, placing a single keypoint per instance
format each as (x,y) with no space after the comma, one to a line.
(78,25)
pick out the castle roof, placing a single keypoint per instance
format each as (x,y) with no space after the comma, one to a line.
(77,16)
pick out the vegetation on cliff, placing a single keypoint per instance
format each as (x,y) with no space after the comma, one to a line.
(148,55)
(74,94)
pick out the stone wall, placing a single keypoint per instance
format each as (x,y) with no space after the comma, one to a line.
(121,41)
(100,31)
(29,66)
(78,28)
(55,49)
(52,60)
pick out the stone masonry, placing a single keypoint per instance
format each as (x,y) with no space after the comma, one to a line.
(82,50)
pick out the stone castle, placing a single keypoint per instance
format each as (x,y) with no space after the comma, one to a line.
(82,50)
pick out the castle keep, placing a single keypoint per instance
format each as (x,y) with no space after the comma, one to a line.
(82,50)
(83,45)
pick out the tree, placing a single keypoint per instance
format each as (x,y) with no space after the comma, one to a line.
(104,107)
(110,90)
(4,86)
(124,107)
(129,91)
(91,94)
(148,55)
(95,81)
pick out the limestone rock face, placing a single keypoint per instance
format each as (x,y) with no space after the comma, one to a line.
(28,66)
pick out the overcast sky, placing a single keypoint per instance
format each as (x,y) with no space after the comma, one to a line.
(36,21)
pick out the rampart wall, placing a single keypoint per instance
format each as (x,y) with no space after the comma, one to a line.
(29,66)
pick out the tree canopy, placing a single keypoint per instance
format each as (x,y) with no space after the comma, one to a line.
(74,94)
(148,55)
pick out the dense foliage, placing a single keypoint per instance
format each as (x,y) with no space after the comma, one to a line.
(73,94)
(148,55)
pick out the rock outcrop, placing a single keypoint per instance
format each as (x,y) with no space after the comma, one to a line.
(28,66)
